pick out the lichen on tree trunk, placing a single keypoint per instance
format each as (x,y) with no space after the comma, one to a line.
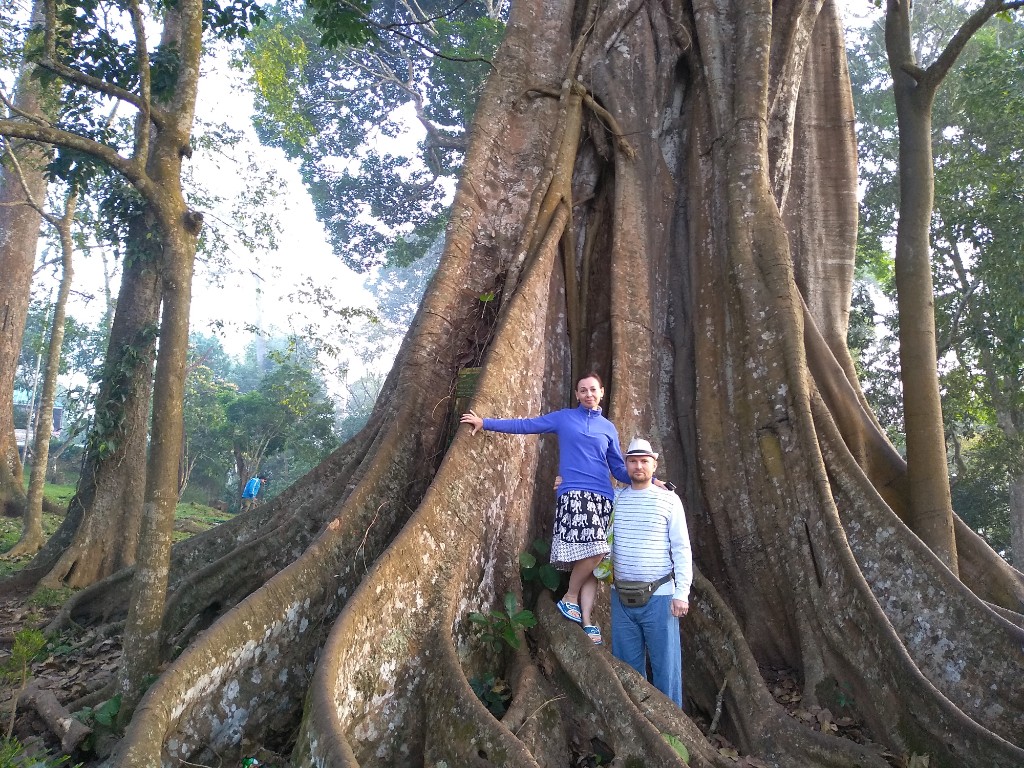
(717,233)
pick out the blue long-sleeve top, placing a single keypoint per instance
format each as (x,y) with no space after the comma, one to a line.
(588,446)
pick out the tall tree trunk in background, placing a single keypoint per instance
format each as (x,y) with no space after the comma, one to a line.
(32,538)
(179,229)
(19,235)
(931,507)
(100,533)
(120,501)
(930,512)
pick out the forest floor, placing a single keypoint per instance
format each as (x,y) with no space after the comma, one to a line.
(69,665)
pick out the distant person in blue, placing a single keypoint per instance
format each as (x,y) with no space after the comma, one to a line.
(588,451)
(251,491)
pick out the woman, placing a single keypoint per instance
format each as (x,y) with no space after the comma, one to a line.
(588,448)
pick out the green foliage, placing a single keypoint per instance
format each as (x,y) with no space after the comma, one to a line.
(532,570)
(240,415)
(342,23)
(981,493)
(370,199)
(49,597)
(14,755)
(498,627)
(277,54)
(14,671)
(28,644)
(493,691)
(976,241)
(234,20)
(536,573)
(678,746)
(104,715)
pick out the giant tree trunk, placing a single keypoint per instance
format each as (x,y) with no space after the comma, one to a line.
(19,234)
(709,218)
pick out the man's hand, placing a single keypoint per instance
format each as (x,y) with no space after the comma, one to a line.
(473,420)
(680,608)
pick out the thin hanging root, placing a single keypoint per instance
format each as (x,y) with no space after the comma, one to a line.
(606,117)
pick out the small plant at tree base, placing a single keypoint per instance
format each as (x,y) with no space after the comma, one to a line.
(28,643)
(493,692)
(48,597)
(678,746)
(537,574)
(101,718)
(497,627)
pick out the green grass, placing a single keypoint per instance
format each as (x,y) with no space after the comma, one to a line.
(58,494)
(198,517)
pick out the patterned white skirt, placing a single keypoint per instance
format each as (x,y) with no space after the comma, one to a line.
(581,528)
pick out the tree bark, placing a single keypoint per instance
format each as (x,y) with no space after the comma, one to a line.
(179,229)
(99,535)
(1017,520)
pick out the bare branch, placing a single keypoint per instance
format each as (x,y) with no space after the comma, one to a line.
(30,201)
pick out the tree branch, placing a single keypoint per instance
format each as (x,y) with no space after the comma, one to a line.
(47,134)
(144,116)
(51,62)
(941,66)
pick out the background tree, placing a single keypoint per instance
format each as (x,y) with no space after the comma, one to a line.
(329,106)
(101,532)
(205,448)
(32,539)
(976,289)
(914,87)
(289,410)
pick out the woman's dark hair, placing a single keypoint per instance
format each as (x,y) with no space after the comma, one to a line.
(590,375)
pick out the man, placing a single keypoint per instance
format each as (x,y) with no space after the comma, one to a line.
(251,491)
(653,572)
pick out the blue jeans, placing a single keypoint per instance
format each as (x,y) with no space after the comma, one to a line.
(652,630)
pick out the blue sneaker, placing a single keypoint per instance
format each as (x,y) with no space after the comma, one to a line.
(571,611)
(594,632)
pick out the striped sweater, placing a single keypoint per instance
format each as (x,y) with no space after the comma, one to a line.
(650,540)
